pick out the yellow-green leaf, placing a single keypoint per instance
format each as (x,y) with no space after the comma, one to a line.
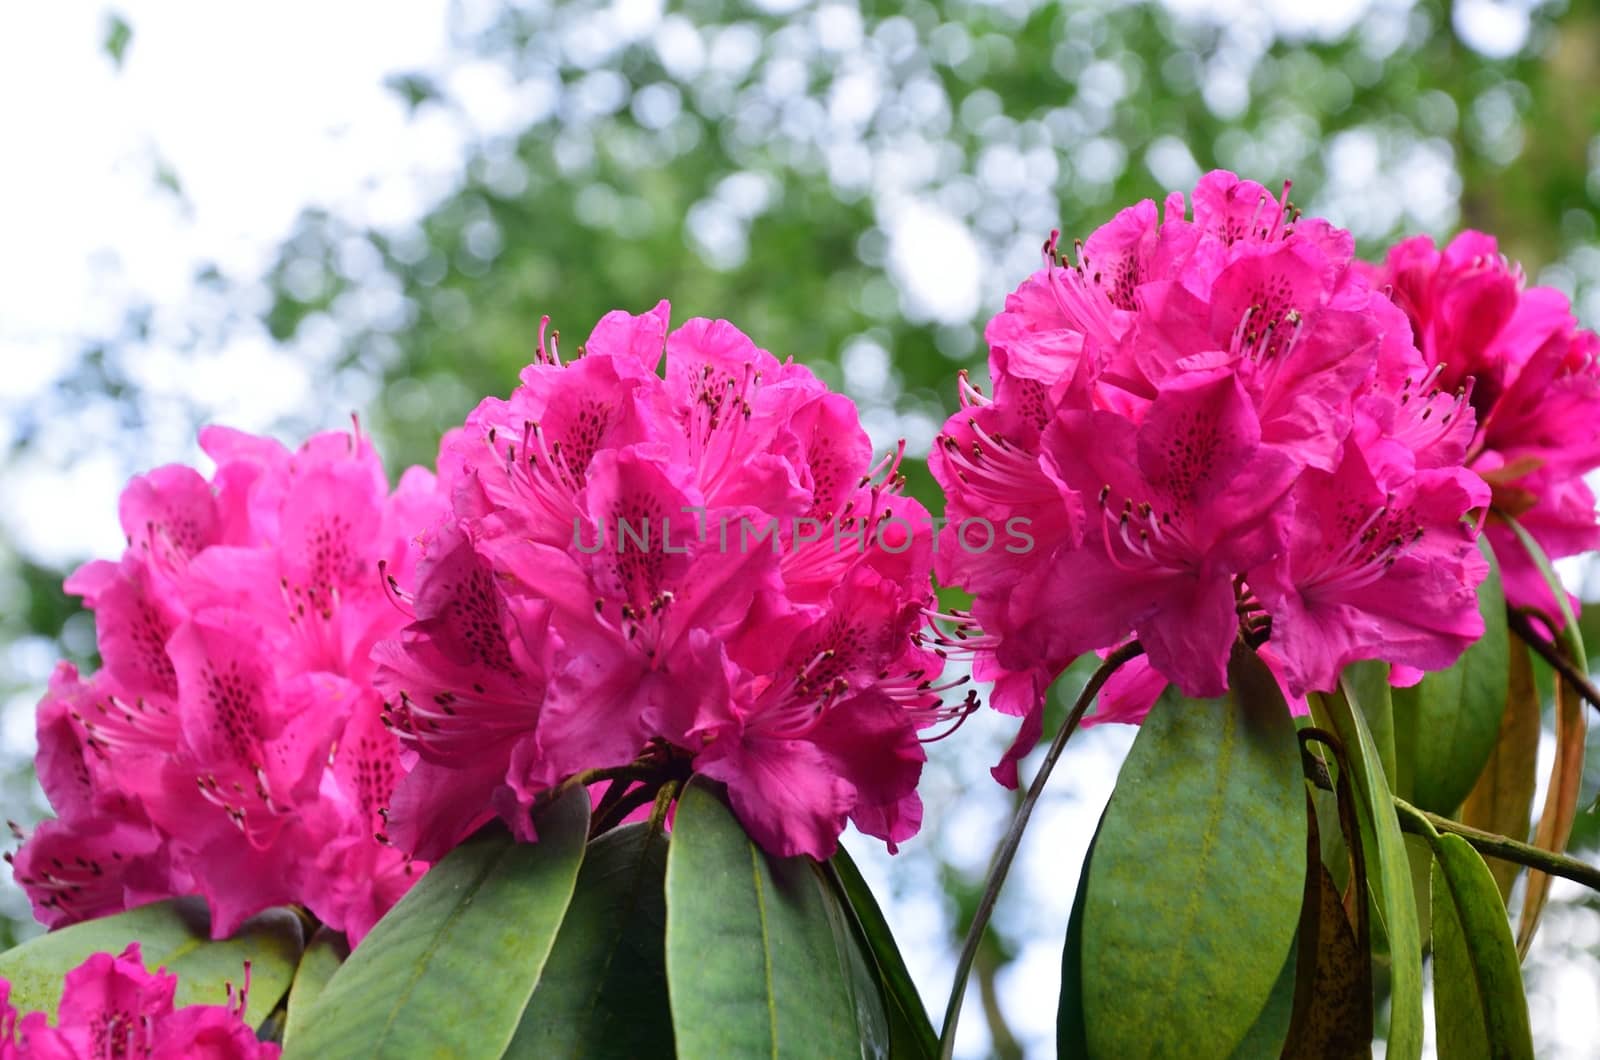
(753,962)
(1480,1008)
(1388,872)
(326,951)
(449,970)
(176,935)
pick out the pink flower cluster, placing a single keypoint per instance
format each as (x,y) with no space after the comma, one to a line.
(675,555)
(232,744)
(627,577)
(1218,425)
(1533,378)
(113,1007)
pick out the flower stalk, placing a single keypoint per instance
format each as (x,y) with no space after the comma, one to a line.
(1522,626)
(1423,823)
(1013,838)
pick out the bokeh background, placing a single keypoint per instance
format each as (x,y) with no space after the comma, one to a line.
(277,215)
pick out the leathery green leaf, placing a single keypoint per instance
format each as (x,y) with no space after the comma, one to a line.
(1268,1034)
(1378,702)
(1448,722)
(1071,1037)
(912,1031)
(1502,800)
(449,970)
(1195,886)
(1388,873)
(875,1026)
(753,963)
(175,935)
(604,989)
(327,950)
(1480,1007)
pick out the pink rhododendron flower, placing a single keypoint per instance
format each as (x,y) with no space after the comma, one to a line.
(1533,377)
(1215,424)
(113,1007)
(231,745)
(1378,564)
(673,550)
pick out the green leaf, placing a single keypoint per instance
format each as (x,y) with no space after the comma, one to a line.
(1377,700)
(118,34)
(604,989)
(1502,800)
(175,935)
(1479,1005)
(1072,1038)
(753,968)
(873,1022)
(1269,1032)
(1448,722)
(414,89)
(1330,829)
(449,970)
(1388,873)
(1195,887)
(327,950)
(1419,861)
(913,1033)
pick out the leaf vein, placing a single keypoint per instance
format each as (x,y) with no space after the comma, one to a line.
(1208,842)
(421,966)
(766,947)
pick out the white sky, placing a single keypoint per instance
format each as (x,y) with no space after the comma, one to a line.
(259,117)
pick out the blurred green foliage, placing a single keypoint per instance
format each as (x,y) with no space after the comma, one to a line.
(757,166)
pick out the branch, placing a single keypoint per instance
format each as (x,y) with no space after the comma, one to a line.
(1008,847)
(1549,653)
(618,811)
(1421,822)
(1003,1043)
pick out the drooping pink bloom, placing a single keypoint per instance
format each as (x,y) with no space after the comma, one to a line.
(113,1007)
(700,569)
(232,746)
(1533,377)
(103,854)
(1380,564)
(1174,417)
